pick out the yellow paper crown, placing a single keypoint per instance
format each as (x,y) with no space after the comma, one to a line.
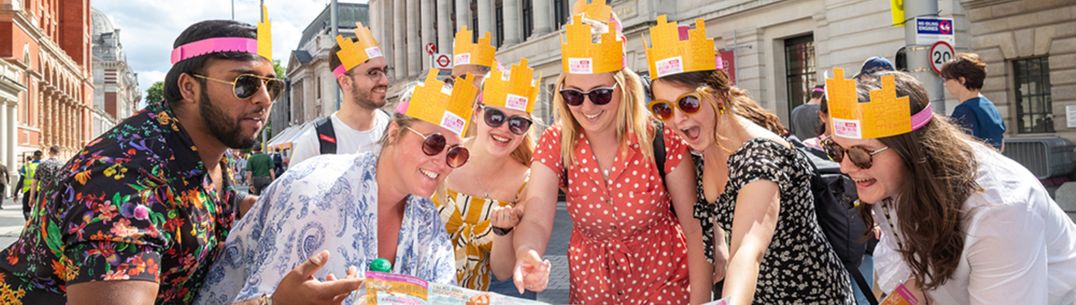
(265,35)
(596,10)
(668,54)
(883,116)
(465,52)
(579,55)
(516,90)
(448,108)
(354,52)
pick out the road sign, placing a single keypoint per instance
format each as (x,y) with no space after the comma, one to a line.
(940,53)
(442,61)
(931,29)
(431,48)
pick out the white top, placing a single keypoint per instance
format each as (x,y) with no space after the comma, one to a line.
(1020,247)
(348,140)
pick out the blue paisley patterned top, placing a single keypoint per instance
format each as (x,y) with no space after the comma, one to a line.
(328,202)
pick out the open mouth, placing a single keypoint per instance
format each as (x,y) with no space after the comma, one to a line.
(593,116)
(429,174)
(691,133)
(500,139)
(864,182)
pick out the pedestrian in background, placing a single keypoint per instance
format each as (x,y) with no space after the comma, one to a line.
(262,171)
(804,118)
(978,116)
(4,178)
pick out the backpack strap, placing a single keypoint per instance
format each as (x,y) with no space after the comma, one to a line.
(326,135)
(859,280)
(659,148)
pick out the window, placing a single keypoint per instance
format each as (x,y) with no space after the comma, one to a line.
(561,12)
(528,19)
(799,69)
(474,21)
(499,22)
(1034,112)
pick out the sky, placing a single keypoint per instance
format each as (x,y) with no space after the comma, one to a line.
(149,27)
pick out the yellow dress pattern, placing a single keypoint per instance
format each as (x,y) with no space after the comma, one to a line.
(466,219)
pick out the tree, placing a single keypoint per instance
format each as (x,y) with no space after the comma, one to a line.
(155,93)
(278,69)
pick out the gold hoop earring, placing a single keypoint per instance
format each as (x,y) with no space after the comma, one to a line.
(721,109)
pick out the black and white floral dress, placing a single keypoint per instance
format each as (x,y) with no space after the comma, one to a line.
(799,266)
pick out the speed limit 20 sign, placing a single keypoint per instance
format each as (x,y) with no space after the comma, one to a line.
(940,53)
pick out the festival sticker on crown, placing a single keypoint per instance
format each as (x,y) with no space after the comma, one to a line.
(579,54)
(515,90)
(450,108)
(884,115)
(466,52)
(672,52)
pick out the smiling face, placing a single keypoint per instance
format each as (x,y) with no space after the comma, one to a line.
(498,141)
(367,83)
(697,129)
(233,121)
(419,172)
(593,117)
(884,179)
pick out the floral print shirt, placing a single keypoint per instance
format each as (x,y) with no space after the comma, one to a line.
(327,202)
(136,204)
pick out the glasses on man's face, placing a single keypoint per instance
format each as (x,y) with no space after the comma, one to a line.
(859,155)
(434,143)
(495,118)
(597,96)
(246,85)
(689,103)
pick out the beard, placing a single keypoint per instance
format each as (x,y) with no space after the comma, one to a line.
(225,129)
(364,98)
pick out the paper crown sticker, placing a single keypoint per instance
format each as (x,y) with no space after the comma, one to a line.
(579,54)
(262,45)
(466,52)
(885,115)
(515,90)
(449,108)
(354,52)
(671,53)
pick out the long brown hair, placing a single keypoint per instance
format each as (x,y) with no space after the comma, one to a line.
(941,175)
(735,99)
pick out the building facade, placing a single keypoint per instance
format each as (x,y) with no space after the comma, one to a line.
(116,95)
(311,86)
(48,42)
(777,49)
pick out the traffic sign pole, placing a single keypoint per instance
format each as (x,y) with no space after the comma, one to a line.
(918,55)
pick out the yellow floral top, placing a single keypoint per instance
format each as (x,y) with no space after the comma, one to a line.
(466,219)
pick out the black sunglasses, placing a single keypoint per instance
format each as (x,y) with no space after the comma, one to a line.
(598,96)
(246,85)
(495,118)
(434,143)
(860,156)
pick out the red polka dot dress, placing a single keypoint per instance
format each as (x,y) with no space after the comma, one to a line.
(626,246)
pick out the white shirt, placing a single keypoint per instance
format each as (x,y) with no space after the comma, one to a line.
(348,140)
(1020,247)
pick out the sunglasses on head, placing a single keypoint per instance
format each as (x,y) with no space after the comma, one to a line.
(434,143)
(246,85)
(495,118)
(859,155)
(689,102)
(597,96)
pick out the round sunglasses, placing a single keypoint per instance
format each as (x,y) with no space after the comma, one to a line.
(434,143)
(859,155)
(689,103)
(598,96)
(246,85)
(495,118)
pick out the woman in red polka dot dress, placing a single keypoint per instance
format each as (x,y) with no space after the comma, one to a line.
(627,246)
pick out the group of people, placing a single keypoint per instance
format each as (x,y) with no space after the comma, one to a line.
(33,177)
(682,192)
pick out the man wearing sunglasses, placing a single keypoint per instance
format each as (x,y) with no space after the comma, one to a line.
(138,216)
(360,68)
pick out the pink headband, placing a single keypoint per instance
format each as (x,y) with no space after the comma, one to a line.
(818,90)
(339,71)
(923,117)
(214,45)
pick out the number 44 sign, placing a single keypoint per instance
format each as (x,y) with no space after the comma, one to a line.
(940,53)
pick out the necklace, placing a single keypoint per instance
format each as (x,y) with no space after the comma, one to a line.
(888,220)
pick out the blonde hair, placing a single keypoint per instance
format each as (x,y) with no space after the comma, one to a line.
(631,117)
